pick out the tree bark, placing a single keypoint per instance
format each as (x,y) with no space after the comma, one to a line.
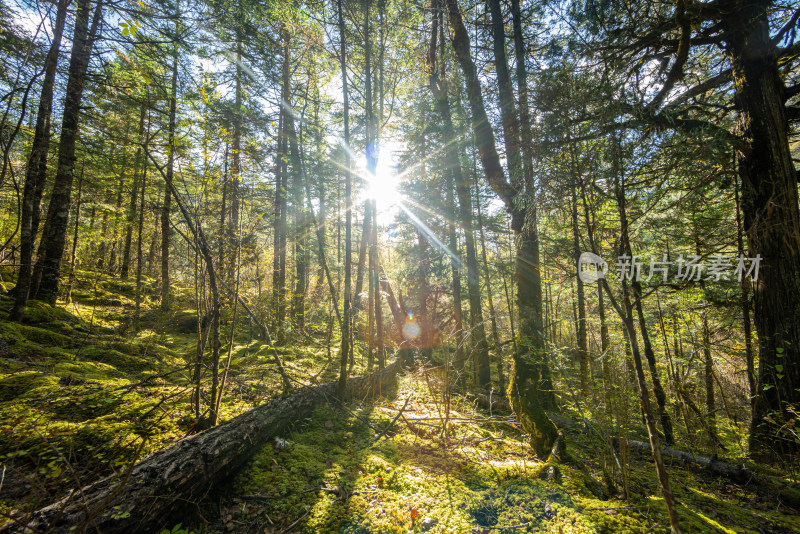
(281,184)
(300,226)
(51,249)
(772,220)
(636,287)
(744,303)
(580,327)
(36,172)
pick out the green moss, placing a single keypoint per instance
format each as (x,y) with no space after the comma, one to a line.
(17,385)
(45,336)
(120,361)
(41,312)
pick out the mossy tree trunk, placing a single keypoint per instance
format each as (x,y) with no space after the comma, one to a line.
(530,387)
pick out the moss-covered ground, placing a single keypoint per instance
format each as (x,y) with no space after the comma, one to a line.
(84,392)
(330,475)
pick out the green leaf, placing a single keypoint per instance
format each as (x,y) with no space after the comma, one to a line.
(779,368)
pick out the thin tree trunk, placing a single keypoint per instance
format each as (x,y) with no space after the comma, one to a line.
(301,267)
(711,408)
(139,231)
(131,215)
(201,244)
(280,196)
(626,314)
(454,266)
(73,256)
(236,148)
(279,274)
(489,295)
(167,205)
(223,228)
(439,88)
(381,355)
(636,287)
(583,350)
(346,346)
(744,303)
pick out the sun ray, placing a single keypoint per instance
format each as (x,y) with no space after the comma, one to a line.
(422,227)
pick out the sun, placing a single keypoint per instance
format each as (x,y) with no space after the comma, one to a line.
(384,185)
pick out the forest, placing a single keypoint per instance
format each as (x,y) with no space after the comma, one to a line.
(395,266)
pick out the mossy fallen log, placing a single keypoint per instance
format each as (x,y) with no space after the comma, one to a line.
(709,463)
(159,488)
(763,485)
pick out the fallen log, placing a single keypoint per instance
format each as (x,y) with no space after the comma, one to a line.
(710,464)
(784,493)
(158,488)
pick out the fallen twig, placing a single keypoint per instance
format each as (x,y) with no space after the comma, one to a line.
(390,425)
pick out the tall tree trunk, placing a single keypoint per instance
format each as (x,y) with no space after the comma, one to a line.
(166,231)
(279,273)
(489,295)
(139,238)
(280,196)
(530,368)
(236,165)
(347,346)
(223,211)
(300,261)
(455,267)
(632,342)
(377,299)
(439,88)
(36,172)
(73,255)
(508,110)
(371,160)
(54,234)
(626,313)
(363,247)
(772,220)
(525,220)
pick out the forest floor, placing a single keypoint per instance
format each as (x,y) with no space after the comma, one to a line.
(82,396)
